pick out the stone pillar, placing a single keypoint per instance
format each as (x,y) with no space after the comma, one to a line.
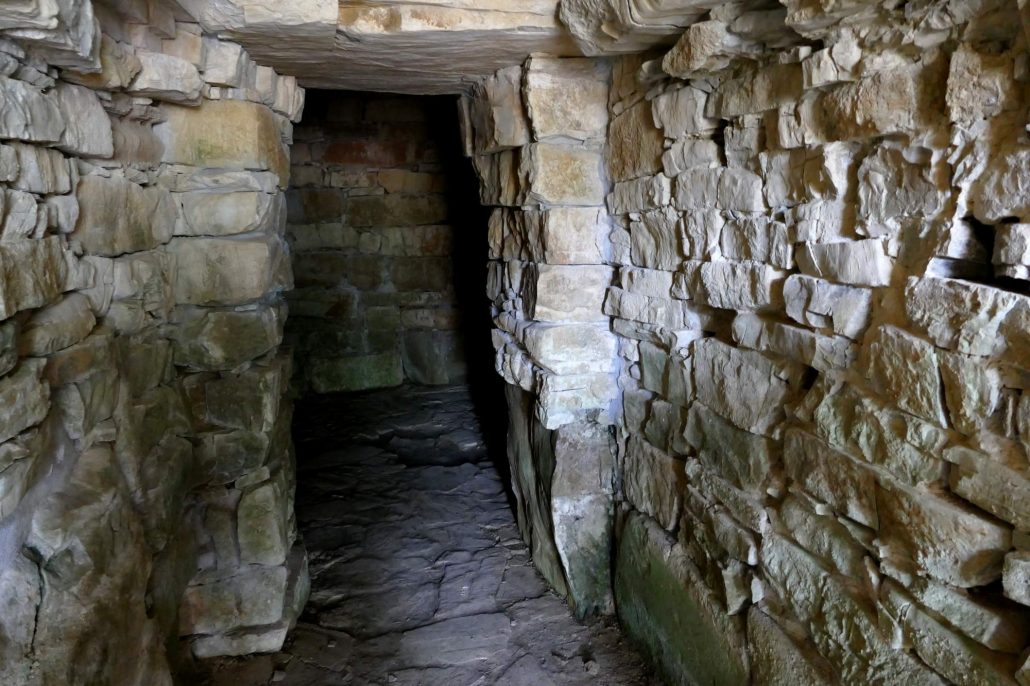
(536,134)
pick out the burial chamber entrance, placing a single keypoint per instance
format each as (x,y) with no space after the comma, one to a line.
(756,292)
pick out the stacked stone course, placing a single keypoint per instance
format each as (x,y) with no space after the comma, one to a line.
(146,476)
(374,304)
(818,299)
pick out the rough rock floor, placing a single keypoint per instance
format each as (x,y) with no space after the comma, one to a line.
(418,572)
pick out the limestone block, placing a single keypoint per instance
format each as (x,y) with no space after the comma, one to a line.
(227,134)
(824,305)
(947,651)
(958,315)
(225,456)
(1002,189)
(888,102)
(744,459)
(765,89)
(222,214)
(229,603)
(736,190)
(571,348)
(778,659)
(681,113)
(653,482)
(62,212)
(665,605)
(894,186)
(1012,245)
(756,239)
(262,526)
(640,194)
(224,63)
(705,47)
(21,214)
(1000,489)
(566,97)
(906,446)
(821,221)
(228,271)
(167,78)
(495,113)
(118,67)
(26,114)
(566,292)
(20,595)
(831,476)
(972,391)
(824,353)
(87,130)
(655,240)
(249,400)
(562,175)
(117,216)
(186,43)
(381,370)
(568,235)
(980,86)
(823,535)
(1016,576)
(662,312)
(839,614)
(635,144)
(41,170)
(744,386)
(835,64)
(738,285)
(688,153)
(58,326)
(502,178)
(225,338)
(650,282)
(32,274)
(905,369)
(135,143)
(25,398)
(858,263)
(932,534)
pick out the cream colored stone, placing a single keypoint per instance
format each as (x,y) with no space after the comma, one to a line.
(166,77)
(229,134)
(117,216)
(567,293)
(653,482)
(223,214)
(58,326)
(681,113)
(228,271)
(905,369)
(566,98)
(562,175)
(858,263)
(32,274)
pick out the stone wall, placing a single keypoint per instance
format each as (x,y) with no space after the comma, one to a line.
(818,297)
(374,304)
(535,136)
(145,459)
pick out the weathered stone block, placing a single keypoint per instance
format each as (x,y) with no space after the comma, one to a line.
(223,214)
(566,292)
(29,115)
(32,274)
(666,606)
(635,144)
(228,271)
(744,386)
(832,477)
(231,134)
(562,175)
(224,339)
(566,97)
(936,535)
(859,263)
(905,369)
(117,216)
(166,77)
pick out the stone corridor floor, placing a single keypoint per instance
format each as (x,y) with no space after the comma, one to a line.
(419,575)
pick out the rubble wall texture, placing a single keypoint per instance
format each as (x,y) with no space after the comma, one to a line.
(816,276)
(374,304)
(145,460)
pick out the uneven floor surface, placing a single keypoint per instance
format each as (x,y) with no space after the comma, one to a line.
(418,572)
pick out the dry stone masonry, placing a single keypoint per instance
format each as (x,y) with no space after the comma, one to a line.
(759,275)
(146,469)
(374,303)
(815,277)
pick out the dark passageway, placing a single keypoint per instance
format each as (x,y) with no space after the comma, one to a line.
(404,502)
(418,572)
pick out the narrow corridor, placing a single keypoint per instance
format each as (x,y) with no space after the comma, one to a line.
(418,572)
